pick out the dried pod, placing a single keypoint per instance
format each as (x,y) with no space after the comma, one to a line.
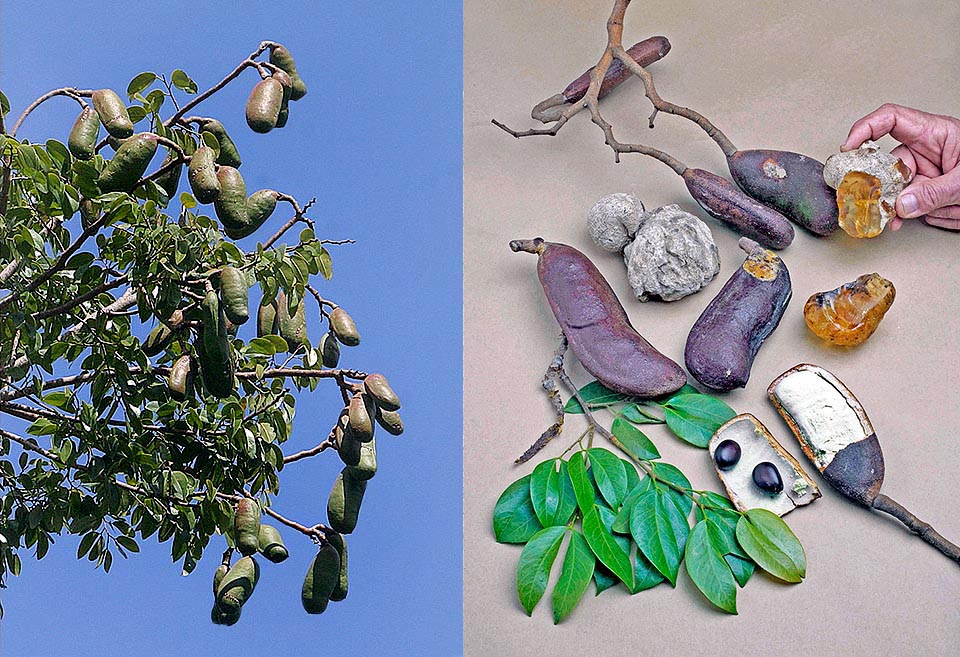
(849,314)
(614,220)
(366,467)
(180,379)
(390,421)
(383,395)
(231,206)
(832,428)
(868,182)
(280,56)
(202,175)
(343,326)
(340,590)
(329,350)
(233,294)
(263,105)
(725,339)
(321,579)
(271,544)
(228,156)
(113,113)
(246,526)
(758,446)
(671,256)
(723,201)
(644,53)
(238,585)
(343,505)
(790,183)
(82,141)
(128,164)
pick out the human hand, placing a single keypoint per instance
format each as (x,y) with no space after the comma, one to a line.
(930,147)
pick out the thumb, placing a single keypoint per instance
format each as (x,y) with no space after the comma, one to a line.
(927,194)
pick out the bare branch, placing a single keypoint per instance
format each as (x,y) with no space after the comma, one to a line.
(71,92)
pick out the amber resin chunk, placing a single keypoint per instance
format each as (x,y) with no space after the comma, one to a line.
(858,199)
(851,313)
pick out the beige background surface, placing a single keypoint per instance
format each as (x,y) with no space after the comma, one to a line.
(792,76)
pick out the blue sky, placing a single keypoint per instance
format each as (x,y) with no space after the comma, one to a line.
(377,140)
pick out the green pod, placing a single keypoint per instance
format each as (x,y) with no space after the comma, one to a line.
(293,328)
(260,205)
(360,422)
(377,387)
(271,544)
(231,205)
(229,155)
(283,116)
(348,447)
(238,585)
(169,182)
(285,82)
(221,617)
(128,164)
(321,579)
(233,294)
(264,104)
(115,143)
(180,379)
(267,319)
(343,327)
(329,350)
(343,505)
(246,526)
(157,340)
(83,136)
(88,213)
(390,421)
(218,576)
(113,113)
(217,373)
(340,590)
(366,468)
(214,351)
(280,56)
(202,174)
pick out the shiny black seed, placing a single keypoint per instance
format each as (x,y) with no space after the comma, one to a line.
(727,454)
(767,478)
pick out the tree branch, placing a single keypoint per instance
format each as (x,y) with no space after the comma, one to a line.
(549,384)
(70,92)
(917,526)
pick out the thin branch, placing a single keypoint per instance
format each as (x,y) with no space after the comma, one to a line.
(285,372)
(299,215)
(83,298)
(917,526)
(7,273)
(70,92)
(549,384)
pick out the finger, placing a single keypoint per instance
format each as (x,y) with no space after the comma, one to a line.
(917,162)
(906,155)
(895,223)
(948,212)
(902,123)
(928,194)
(941,222)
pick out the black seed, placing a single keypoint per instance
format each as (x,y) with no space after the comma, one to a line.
(727,454)
(767,477)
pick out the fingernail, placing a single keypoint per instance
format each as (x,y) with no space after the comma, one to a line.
(908,202)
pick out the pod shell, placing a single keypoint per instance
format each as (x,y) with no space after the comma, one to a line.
(169,182)
(366,467)
(202,175)
(293,328)
(238,585)
(271,544)
(267,319)
(213,349)
(723,201)
(343,505)
(231,206)
(725,339)
(263,105)
(340,590)
(280,56)
(180,380)
(329,350)
(128,164)
(321,579)
(360,422)
(597,327)
(246,526)
(229,156)
(390,421)
(113,113)
(379,389)
(644,53)
(234,295)
(790,183)
(82,142)
(343,326)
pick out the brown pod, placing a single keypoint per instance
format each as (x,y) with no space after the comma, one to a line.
(379,389)
(263,106)
(360,422)
(597,327)
(644,53)
(790,183)
(723,201)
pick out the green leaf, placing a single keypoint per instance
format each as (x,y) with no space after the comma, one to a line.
(260,347)
(594,394)
(128,543)
(645,576)
(139,83)
(687,389)
(742,568)
(665,472)
(709,572)
(659,527)
(610,475)
(536,560)
(605,546)
(695,417)
(514,520)
(4,105)
(621,524)
(578,567)
(633,441)
(325,264)
(183,82)
(604,578)
(767,539)
(582,486)
(640,415)
(551,491)
(722,526)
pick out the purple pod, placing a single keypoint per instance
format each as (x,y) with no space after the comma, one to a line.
(790,183)
(725,339)
(597,327)
(644,52)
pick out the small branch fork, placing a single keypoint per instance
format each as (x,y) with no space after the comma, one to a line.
(549,384)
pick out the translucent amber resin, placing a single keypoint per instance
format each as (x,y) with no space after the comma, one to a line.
(858,199)
(851,313)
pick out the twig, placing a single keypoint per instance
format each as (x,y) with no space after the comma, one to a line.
(917,526)
(284,372)
(70,92)
(298,216)
(549,384)
(73,303)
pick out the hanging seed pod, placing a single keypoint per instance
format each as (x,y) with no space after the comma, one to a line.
(220,617)
(128,164)
(218,576)
(264,104)
(329,350)
(293,328)
(82,142)
(280,56)
(283,116)
(169,182)
(231,206)
(115,143)
(366,468)
(390,421)
(321,579)
(233,294)
(360,422)
(271,544)
(246,526)
(342,326)
(377,387)
(214,350)
(157,340)
(340,590)
(229,156)
(238,585)
(260,205)
(202,175)
(267,319)
(343,505)
(180,380)
(348,447)
(113,113)
(88,213)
